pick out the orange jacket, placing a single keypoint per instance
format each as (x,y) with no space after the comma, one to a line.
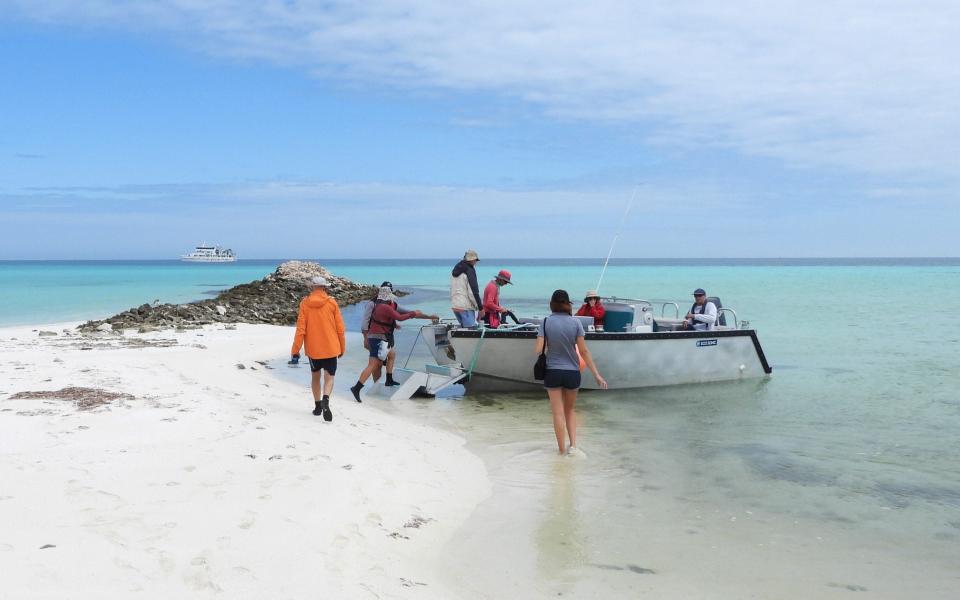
(320,325)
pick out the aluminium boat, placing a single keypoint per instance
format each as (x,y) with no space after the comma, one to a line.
(636,348)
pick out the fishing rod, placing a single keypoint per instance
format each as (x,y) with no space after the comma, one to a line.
(623,220)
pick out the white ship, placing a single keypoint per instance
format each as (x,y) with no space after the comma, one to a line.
(210,254)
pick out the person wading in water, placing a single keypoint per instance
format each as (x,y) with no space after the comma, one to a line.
(563,336)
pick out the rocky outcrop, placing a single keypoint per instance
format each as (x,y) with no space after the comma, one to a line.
(273,300)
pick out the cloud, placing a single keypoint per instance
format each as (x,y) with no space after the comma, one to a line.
(865,86)
(352,220)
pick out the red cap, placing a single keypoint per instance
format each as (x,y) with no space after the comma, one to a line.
(504,275)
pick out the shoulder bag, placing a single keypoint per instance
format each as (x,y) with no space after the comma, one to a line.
(540,367)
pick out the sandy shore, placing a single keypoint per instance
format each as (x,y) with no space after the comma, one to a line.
(214,480)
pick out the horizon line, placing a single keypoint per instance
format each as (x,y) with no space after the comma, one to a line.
(497,258)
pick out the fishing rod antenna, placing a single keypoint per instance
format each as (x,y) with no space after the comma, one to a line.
(616,236)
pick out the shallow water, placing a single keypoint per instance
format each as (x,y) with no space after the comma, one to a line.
(838,474)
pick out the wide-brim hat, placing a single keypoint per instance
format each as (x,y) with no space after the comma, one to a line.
(591,294)
(504,276)
(471,255)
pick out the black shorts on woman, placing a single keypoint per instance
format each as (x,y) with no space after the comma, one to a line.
(561,378)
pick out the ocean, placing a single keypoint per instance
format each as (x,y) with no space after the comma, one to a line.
(841,470)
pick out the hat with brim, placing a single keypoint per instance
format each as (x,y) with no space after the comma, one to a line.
(319,281)
(591,294)
(699,292)
(471,255)
(504,276)
(385,293)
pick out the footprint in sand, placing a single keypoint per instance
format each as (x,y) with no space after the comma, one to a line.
(248,522)
(199,576)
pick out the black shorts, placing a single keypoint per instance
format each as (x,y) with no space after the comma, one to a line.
(562,378)
(327,364)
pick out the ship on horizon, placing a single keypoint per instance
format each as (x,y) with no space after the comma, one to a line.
(210,254)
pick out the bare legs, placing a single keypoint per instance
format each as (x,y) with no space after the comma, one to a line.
(315,384)
(391,357)
(373,364)
(569,399)
(562,402)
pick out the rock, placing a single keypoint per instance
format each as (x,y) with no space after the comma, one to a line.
(240,366)
(47,333)
(273,300)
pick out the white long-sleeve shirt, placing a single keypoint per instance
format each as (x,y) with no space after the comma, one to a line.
(705,320)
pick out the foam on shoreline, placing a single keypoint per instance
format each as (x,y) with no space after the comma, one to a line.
(215,479)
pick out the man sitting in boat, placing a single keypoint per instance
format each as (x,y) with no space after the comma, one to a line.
(491,301)
(702,314)
(593,307)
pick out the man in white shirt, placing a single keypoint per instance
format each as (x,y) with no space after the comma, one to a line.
(702,315)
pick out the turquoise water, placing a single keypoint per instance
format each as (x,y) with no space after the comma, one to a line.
(856,435)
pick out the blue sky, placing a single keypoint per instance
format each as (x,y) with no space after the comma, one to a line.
(393,128)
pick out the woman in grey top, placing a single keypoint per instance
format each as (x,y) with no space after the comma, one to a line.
(564,337)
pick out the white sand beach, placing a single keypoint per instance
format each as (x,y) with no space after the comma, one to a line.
(212,478)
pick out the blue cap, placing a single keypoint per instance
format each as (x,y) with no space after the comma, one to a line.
(699,291)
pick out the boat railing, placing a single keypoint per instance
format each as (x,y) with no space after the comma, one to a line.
(736,322)
(676,309)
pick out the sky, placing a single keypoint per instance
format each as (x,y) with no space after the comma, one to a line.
(413,129)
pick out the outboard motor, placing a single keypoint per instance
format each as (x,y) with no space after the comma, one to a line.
(438,340)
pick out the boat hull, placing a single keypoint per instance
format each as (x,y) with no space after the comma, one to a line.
(626,360)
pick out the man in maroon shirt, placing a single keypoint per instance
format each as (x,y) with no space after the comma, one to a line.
(383,321)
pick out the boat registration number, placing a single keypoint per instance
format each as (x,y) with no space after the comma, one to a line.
(701,343)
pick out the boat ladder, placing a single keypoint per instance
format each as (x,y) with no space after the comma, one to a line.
(430,381)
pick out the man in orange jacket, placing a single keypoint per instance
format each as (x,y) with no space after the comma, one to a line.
(320,328)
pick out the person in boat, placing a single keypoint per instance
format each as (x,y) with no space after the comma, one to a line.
(465,292)
(702,315)
(365,328)
(491,301)
(320,329)
(563,337)
(593,307)
(383,323)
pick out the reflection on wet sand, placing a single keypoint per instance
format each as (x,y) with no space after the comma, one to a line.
(560,543)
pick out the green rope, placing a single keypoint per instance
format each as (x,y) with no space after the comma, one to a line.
(476,353)
(483,331)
